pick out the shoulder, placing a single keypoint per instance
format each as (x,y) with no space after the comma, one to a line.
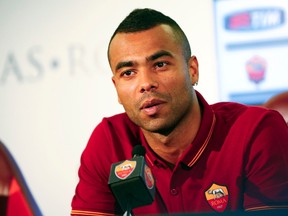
(232,111)
(116,134)
(229,108)
(119,123)
(248,119)
(121,118)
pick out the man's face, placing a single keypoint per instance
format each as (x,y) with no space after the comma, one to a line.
(152,79)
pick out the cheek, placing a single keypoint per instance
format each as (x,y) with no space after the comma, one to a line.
(125,93)
(181,88)
(178,81)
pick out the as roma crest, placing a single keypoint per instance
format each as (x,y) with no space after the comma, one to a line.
(217,197)
(123,170)
(148,177)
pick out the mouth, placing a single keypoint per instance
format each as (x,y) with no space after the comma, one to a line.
(151,107)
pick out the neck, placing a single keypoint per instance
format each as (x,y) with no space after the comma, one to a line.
(171,146)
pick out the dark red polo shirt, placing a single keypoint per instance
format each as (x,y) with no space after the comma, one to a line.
(238,161)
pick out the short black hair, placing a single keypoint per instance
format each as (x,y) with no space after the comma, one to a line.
(144,19)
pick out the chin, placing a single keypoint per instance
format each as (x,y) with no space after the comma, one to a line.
(157,128)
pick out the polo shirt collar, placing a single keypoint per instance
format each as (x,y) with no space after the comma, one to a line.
(199,144)
(203,135)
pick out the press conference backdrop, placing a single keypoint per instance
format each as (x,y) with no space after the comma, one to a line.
(55,81)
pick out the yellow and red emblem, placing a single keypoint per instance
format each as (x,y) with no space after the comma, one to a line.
(123,170)
(148,177)
(217,197)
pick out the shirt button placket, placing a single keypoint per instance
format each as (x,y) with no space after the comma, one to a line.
(174,191)
(176,204)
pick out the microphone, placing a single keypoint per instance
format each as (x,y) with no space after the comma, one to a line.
(131,181)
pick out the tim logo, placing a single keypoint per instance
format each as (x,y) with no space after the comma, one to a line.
(255,19)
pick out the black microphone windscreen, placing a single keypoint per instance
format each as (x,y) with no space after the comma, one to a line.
(138,150)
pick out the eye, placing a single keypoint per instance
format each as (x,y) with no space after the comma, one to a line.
(127,73)
(161,64)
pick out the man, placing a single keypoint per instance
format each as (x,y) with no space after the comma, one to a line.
(205,158)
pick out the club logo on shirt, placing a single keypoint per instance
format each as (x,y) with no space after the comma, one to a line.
(217,197)
(123,170)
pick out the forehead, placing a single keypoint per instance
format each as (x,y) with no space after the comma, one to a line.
(160,37)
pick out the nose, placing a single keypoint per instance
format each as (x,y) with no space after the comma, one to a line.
(148,82)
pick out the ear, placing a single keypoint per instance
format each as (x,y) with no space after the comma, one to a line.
(193,70)
(114,82)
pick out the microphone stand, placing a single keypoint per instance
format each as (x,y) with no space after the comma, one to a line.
(129,209)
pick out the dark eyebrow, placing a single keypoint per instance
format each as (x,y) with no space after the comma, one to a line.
(124,64)
(153,57)
(159,54)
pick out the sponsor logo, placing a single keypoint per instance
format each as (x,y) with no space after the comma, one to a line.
(217,197)
(255,19)
(125,169)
